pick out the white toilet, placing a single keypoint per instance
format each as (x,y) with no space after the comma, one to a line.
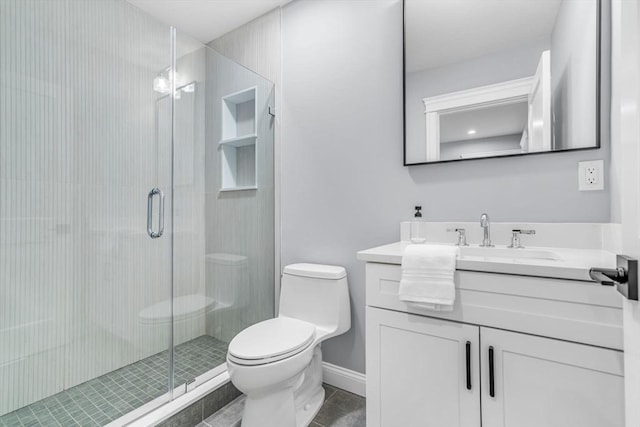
(277,363)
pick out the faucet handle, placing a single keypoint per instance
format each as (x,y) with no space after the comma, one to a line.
(515,237)
(521,231)
(462,236)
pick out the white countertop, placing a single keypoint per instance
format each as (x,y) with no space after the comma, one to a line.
(570,263)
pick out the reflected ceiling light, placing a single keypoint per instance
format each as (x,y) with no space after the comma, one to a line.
(162,82)
(161,85)
(471,132)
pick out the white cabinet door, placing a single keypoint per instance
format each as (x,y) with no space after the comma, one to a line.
(417,371)
(546,382)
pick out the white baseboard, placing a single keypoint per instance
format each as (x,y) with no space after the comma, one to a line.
(346,379)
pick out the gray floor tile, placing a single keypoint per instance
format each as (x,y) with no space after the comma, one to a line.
(228,416)
(342,409)
(108,397)
(215,401)
(329,390)
(190,416)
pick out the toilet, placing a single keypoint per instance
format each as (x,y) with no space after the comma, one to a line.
(277,363)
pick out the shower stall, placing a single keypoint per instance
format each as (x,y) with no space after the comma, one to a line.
(136,210)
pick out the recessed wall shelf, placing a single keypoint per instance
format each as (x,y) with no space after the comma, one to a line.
(253,187)
(238,143)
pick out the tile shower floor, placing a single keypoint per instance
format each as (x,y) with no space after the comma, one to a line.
(99,401)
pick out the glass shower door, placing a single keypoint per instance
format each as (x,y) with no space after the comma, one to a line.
(223,264)
(85,292)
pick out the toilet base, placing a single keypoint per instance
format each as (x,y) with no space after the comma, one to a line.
(276,409)
(294,405)
(306,414)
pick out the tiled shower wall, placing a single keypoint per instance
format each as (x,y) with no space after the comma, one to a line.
(257,45)
(240,224)
(79,151)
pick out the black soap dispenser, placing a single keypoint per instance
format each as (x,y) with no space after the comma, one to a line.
(417,233)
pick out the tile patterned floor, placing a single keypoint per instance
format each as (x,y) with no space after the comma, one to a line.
(106,398)
(340,409)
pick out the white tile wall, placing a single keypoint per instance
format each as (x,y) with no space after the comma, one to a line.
(257,45)
(79,151)
(239,223)
(83,138)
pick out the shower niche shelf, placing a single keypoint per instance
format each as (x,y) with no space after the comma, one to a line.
(238,143)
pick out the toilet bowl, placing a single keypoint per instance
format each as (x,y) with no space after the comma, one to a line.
(277,363)
(185,314)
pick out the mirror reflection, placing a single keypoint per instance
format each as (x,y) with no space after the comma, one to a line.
(487,78)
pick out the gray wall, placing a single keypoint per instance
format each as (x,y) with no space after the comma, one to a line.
(573,44)
(480,146)
(486,70)
(343,184)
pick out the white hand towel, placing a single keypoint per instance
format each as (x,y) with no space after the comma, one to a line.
(427,276)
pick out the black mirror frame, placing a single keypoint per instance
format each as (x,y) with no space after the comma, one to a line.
(599,18)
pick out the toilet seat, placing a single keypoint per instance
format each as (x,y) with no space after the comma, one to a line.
(270,341)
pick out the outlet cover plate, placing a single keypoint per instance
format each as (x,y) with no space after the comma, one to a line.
(591,175)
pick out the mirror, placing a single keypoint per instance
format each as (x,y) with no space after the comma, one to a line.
(489,78)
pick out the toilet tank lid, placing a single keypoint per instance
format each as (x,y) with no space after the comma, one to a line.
(316,270)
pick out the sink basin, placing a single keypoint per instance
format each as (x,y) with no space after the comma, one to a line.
(508,253)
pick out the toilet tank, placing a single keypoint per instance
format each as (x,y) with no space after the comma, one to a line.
(227,285)
(318,294)
(226,279)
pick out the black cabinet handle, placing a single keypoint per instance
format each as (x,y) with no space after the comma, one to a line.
(468,351)
(492,386)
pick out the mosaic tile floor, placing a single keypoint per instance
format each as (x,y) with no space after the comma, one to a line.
(99,401)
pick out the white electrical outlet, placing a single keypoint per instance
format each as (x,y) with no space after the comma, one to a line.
(591,175)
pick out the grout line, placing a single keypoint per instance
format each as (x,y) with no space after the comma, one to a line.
(20,420)
(333,393)
(53,416)
(113,386)
(65,409)
(78,405)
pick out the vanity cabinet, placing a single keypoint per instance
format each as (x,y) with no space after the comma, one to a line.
(417,371)
(546,382)
(516,351)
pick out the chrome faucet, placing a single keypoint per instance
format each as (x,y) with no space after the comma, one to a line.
(515,238)
(485,224)
(462,236)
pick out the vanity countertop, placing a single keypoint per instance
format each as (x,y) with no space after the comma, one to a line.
(569,263)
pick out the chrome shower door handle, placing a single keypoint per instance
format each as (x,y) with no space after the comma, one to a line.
(150,232)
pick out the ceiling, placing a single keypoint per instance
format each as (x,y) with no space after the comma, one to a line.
(441,32)
(497,120)
(206,20)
